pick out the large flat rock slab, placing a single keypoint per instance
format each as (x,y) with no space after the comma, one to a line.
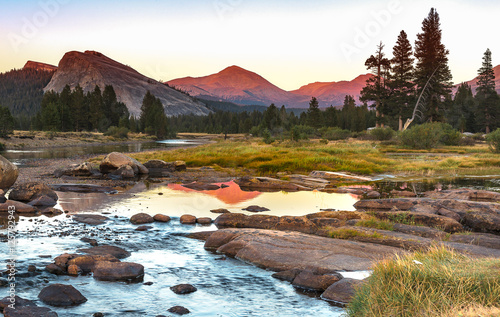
(280,250)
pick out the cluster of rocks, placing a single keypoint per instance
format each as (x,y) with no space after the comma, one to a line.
(30,198)
(120,166)
(144,218)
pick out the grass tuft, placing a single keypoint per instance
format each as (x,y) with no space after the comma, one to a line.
(445,282)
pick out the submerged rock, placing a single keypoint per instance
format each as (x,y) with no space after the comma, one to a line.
(267,184)
(61,295)
(288,275)
(220,211)
(342,291)
(183,289)
(141,218)
(117,252)
(30,191)
(119,271)
(201,186)
(8,173)
(90,219)
(315,282)
(255,208)
(20,207)
(179,310)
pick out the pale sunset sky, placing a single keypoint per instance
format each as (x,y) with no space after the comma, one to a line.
(291,43)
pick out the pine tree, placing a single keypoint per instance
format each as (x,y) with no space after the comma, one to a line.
(64,107)
(79,109)
(153,119)
(6,122)
(314,115)
(95,108)
(461,116)
(432,58)
(376,89)
(486,96)
(402,97)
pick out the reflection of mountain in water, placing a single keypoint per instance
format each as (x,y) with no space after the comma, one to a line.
(230,195)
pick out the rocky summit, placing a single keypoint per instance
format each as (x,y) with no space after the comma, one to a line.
(92,68)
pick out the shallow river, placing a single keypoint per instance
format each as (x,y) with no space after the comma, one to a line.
(226,287)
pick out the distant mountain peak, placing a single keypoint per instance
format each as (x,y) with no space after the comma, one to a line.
(92,68)
(39,66)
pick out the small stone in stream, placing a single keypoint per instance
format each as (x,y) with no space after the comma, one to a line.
(31,268)
(204,221)
(74,270)
(220,211)
(29,311)
(148,283)
(143,228)
(160,194)
(179,310)
(117,252)
(161,218)
(43,200)
(119,271)
(288,275)
(255,208)
(188,219)
(224,186)
(92,242)
(141,218)
(54,269)
(98,315)
(3,282)
(61,295)
(183,289)
(90,219)
(373,194)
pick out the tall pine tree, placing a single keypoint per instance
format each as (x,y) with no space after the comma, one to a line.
(402,85)
(432,58)
(376,89)
(486,96)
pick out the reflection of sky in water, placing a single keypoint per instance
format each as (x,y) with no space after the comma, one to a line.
(176,201)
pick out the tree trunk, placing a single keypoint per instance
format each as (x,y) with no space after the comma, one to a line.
(400,123)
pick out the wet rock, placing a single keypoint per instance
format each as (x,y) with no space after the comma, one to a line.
(267,184)
(202,235)
(98,315)
(315,282)
(115,160)
(179,310)
(21,208)
(92,242)
(31,268)
(30,191)
(90,219)
(20,302)
(141,218)
(4,282)
(86,263)
(43,201)
(342,291)
(201,186)
(117,252)
(161,218)
(29,311)
(188,219)
(82,188)
(288,275)
(255,208)
(61,295)
(55,269)
(48,211)
(143,228)
(8,173)
(373,194)
(123,172)
(280,250)
(204,221)
(183,289)
(220,211)
(74,270)
(119,271)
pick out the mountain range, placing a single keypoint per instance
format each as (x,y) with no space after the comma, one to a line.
(241,86)
(92,68)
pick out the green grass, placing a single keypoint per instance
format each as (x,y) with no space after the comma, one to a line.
(376,224)
(346,234)
(446,283)
(359,157)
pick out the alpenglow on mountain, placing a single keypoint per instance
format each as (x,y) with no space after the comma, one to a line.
(244,87)
(92,68)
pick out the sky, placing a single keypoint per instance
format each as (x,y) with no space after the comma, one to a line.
(290,43)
